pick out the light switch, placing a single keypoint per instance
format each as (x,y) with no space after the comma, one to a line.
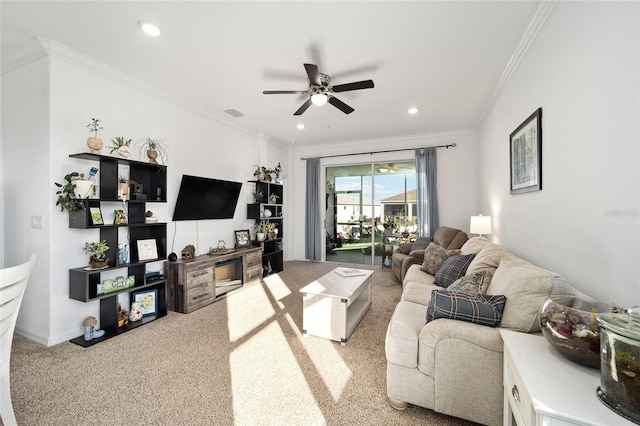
(36,222)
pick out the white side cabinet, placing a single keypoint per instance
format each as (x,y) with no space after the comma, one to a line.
(541,387)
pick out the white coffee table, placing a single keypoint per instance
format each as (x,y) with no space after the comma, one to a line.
(333,305)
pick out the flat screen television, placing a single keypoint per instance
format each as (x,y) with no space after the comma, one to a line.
(203,198)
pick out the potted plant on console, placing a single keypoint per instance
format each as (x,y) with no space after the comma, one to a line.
(97,254)
(121,146)
(94,142)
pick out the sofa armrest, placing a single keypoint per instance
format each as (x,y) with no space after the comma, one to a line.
(404,248)
(437,331)
(418,254)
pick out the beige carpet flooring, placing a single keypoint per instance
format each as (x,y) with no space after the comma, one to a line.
(240,361)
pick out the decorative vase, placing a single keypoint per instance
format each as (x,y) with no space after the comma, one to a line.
(135,314)
(569,325)
(123,151)
(83,189)
(152,155)
(97,264)
(278,179)
(260,236)
(95,145)
(123,190)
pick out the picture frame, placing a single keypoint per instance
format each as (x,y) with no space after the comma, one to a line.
(147,250)
(525,155)
(148,301)
(95,215)
(243,238)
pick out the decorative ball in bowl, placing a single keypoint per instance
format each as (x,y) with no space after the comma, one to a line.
(569,325)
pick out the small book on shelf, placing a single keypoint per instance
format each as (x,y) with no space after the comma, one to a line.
(349,272)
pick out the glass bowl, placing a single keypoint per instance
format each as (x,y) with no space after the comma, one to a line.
(569,325)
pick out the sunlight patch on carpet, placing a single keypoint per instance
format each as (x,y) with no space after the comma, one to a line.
(248,310)
(278,288)
(329,364)
(267,380)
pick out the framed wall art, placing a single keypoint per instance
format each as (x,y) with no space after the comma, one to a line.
(525,155)
(96,216)
(147,250)
(148,301)
(243,239)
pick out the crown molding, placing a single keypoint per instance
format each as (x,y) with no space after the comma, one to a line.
(40,47)
(537,22)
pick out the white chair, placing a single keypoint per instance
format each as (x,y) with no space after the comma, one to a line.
(12,284)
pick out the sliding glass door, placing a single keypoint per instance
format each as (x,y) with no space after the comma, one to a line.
(364,200)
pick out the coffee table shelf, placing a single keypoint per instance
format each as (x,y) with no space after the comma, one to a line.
(334,305)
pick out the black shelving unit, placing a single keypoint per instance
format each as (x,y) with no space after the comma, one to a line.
(272,249)
(83,283)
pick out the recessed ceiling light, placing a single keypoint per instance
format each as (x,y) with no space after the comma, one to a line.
(300,126)
(149,28)
(412,110)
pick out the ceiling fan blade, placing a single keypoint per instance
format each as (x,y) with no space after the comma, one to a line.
(365,84)
(285,92)
(313,74)
(340,105)
(303,108)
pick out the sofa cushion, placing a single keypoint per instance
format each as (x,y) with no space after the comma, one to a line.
(452,268)
(421,243)
(418,292)
(479,309)
(471,283)
(434,256)
(526,287)
(488,259)
(415,273)
(474,245)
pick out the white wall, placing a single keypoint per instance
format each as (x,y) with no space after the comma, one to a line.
(583,70)
(27,189)
(64,91)
(456,175)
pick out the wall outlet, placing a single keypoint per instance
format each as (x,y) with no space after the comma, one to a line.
(36,222)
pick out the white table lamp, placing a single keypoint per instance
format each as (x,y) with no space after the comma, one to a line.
(480,225)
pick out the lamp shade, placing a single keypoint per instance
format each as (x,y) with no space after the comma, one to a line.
(480,225)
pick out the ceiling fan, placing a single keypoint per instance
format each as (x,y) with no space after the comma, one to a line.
(320,91)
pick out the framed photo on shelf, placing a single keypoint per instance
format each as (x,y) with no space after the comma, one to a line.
(243,238)
(96,216)
(525,155)
(148,301)
(147,250)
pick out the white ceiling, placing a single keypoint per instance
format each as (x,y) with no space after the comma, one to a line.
(446,58)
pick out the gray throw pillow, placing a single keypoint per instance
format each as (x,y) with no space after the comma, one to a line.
(452,269)
(421,243)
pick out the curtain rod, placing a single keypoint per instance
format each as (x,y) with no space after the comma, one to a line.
(451,145)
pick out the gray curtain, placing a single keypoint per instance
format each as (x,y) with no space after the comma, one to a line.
(427,192)
(313,225)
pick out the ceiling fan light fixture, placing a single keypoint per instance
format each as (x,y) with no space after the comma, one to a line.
(149,28)
(300,126)
(319,99)
(383,170)
(412,110)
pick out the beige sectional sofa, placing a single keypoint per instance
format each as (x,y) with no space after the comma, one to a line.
(452,366)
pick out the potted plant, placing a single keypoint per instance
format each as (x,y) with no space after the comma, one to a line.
(258,173)
(154,148)
(258,195)
(121,146)
(72,191)
(278,171)
(124,186)
(273,199)
(94,142)
(262,228)
(97,254)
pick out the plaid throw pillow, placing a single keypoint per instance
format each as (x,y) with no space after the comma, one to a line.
(452,269)
(434,255)
(480,309)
